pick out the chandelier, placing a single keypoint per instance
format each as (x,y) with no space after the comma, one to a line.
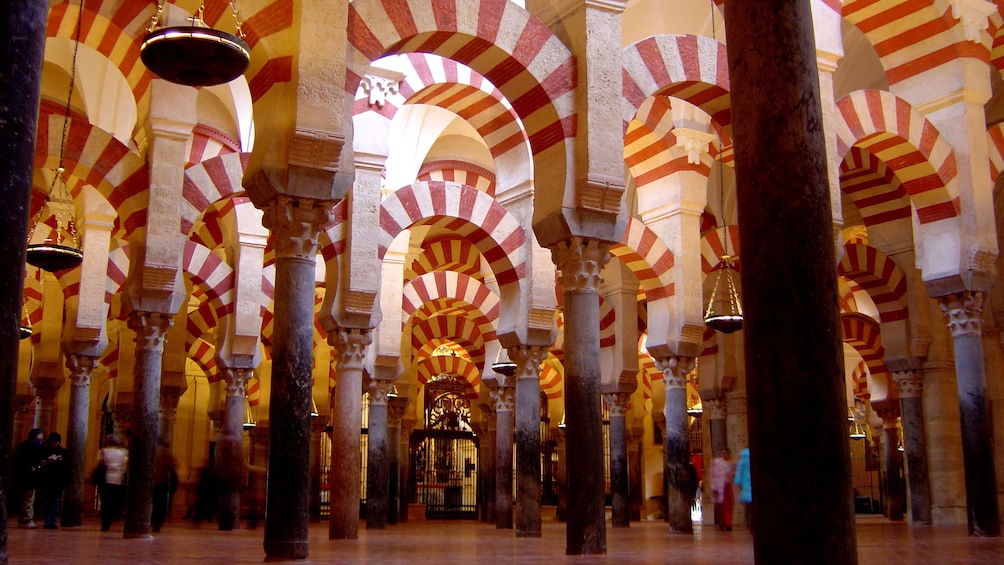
(724,311)
(504,367)
(196,54)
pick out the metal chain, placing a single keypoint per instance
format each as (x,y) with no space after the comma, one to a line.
(237,18)
(156,17)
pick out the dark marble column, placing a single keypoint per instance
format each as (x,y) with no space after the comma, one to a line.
(503,400)
(617,406)
(486,449)
(396,407)
(527,439)
(22,44)
(714,409)
(229,448)
(295,225)
(318,426)
(79,368)
(169,398)
(580,262)
(377,456)
(561,512)
(963,311)
(151,330)
(45,409)
(676,445)
(407,486)
(892,461)
(911,386)
(794,377)
(635,489)
(350,345)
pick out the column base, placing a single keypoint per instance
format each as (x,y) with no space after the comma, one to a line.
(527,534)
(284,551)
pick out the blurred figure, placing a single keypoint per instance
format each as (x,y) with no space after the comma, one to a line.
(26,473)
(115,458)
(722,475)
(165,482)
(55,475)
(744,482)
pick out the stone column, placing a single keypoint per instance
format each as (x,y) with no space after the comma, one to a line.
(151,329)
(561,512)
(910,385)
(46,406)
(580,262)
(617,406)
(377,456)
(527,439)
(351,345)
(714,409)
(79,368)
(295,225)
(676,446)
(487,453)
(170,396)
(963,311)
(22,44)
(229,448)
(634,452)
(503,401)
(396,407)
(891,460)
(780,156)
(318,426)
(407,486)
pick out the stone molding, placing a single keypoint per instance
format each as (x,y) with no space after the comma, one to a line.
(910,384)
(963,310)
(580,261)
(296,225)
(350,345)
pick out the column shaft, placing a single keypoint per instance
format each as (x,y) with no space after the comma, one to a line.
(343,522)
(395,410)
(504,417)
(915,444)
(616,407)
(892,463)
(80,367)
(780,156)
(527,439)
(680,488)
(229,449)
(377,457)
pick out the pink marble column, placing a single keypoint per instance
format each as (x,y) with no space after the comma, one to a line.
(963,311)
(295,224)
(229,448)
(151,331)
(580,262)
(79,368)
(346,424)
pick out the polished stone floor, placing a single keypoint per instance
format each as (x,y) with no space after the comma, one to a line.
(441,542)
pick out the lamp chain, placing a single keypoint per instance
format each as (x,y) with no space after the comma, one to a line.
(156,17)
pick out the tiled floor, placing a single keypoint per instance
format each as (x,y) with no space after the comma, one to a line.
(879,542)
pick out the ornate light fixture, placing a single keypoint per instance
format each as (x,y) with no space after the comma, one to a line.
(856,415)
(24,330)
(504,367)
(313,408)
(724,311)
(249,420)
(61,250)
(196,54)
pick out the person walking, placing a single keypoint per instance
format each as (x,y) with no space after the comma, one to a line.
(114,457)
(165,482)
(722,475)
(55,475)
(744,482)
(25,475)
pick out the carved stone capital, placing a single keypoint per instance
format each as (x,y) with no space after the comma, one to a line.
(350,346)
(528,359)
(237,380)
(973,14)
(889,412)
(396,409)
(151,329)
(296,225)
(909,383)
(694,142)
(379,389)
(80,368)
(580,261)
(963,310)
(714,408)
(674,370)
(378,87)
(503,398)
(617,403)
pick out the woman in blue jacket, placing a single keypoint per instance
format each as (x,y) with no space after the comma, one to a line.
(742,480)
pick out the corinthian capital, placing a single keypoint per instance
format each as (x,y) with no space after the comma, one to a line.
(296,224)
(580,261)
(674,370)
(151,329)
(963,310)
(350,345)
(528,359)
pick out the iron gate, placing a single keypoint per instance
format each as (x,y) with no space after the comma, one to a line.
(444,468)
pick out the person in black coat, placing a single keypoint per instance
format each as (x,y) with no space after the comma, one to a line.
(55,475)
(25,475)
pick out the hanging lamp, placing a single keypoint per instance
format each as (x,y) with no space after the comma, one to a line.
(249,420)
(61,250)
(504,367)
(196,54)
(24,329)
(724,311)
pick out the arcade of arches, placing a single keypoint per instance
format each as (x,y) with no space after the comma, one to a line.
(399,195)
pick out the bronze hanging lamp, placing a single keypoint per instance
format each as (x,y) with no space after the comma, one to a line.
(61,250)
(24,329)
(724,311)
(196,54)
(504,367)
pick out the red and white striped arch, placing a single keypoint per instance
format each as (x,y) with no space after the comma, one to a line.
(117,271)
(863,334)
(470,346)
(437,328)
(879,276)
(468,212)
(446,253)
(859,381)
(457,288)
(911,37)
(99,160)
(608,326)
(210,272)
(551,378)
(996,149)
(461,172)
(689,67)
(217,222)
(496,38)
(874,188)
(110,358)
(208,182)
(208,142)
(642,251)
(890,129)
(450,365)
(253,391)
(713,247)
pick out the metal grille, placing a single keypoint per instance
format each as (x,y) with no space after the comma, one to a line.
(444,467)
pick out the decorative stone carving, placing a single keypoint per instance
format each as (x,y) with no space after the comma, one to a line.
(237,380)
(528,359)
(714,408)
(674,369)
(151,329)
(315,149)
(973,15)
(503,398)
(617,403)
(963,311)
(379,389)
(909,383)
(296,225)
(350,345)
(378,88)
(80,368)
(694,142)
(580,261)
